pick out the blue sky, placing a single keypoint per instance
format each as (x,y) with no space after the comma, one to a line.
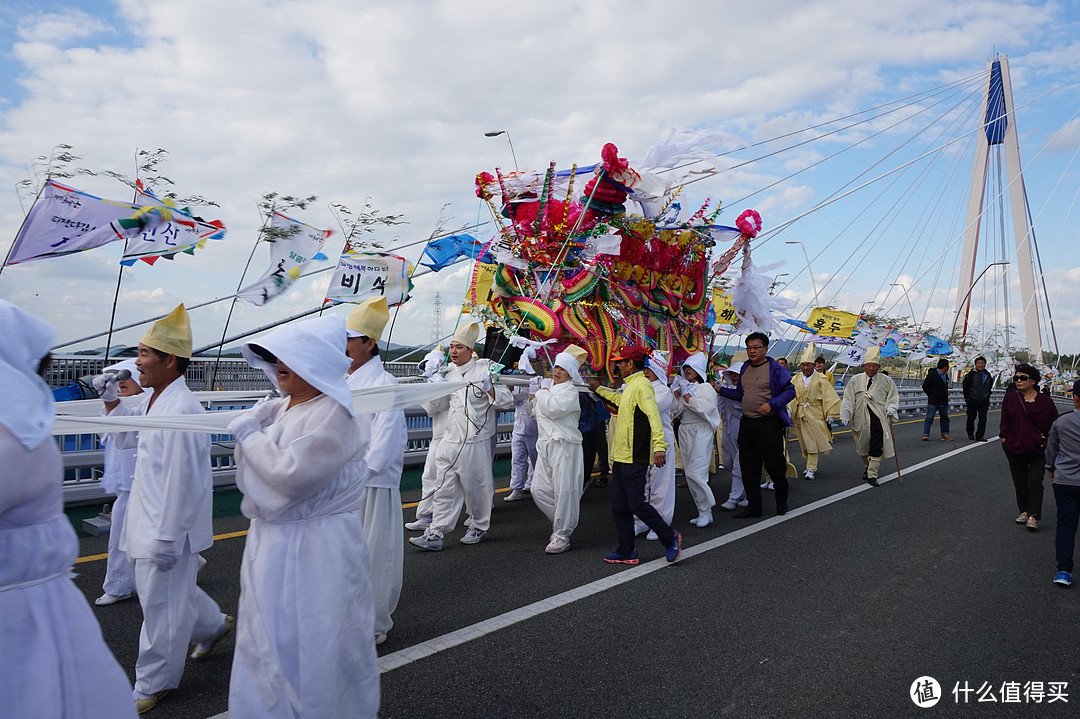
(389,102)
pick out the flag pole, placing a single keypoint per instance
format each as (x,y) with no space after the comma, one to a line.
(232,305)
(415,267)
(120,269)
(11,249)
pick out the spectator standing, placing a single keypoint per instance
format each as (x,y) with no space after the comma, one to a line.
(1026,418)
(936,387)
(1063,464)
(978,383)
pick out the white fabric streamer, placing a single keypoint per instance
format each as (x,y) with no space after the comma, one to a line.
(368,400)
(753,304)
(528,354)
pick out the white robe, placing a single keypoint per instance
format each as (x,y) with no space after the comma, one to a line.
(731,416)
(660,481)
(463,458)
(427,479)
(116,479)
(697,433)
(305,639)
(54,662)
(557,485)
(523,439)
(171,499)
(381,513)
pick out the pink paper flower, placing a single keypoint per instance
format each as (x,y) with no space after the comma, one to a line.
(749,223)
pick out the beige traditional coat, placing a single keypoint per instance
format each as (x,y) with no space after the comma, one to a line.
(858,402)
(814,402)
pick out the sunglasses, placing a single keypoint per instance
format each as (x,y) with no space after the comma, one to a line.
(1021,378)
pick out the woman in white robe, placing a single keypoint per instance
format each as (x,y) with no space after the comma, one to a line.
(556,487)
(660,481)
(53,661)
(697,434)
(305,639)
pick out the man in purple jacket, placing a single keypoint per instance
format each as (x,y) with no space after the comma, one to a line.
(764,389)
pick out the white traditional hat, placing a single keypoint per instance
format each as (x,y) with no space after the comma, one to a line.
(736,368)
(570,360)
(171,334)
(467,333)
(27,410)
(699,364)
(368,318)
(809,354)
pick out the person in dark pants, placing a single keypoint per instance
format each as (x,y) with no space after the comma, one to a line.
(764,389)
(936,387)
(1063,464)
(593,427)
(1026,418)
(978,383)
(639,442)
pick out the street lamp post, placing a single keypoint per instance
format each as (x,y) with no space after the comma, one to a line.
(962,302)
(496,133)
(810,269)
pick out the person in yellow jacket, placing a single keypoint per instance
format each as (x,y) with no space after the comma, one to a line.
(638,442)
(815,402)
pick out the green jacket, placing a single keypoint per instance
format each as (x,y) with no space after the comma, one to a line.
(638,429)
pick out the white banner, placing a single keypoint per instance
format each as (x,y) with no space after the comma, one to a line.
(65,220)
(287,258)
(852,355)
(161,230)
(361,275)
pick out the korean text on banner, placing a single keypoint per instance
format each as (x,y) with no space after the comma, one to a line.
(361,275)
(725,311)
(832,323)
(483,280)
(299,245)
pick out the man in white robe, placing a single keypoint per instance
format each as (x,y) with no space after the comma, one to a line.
(169,519)
(430,366)
(557,480)
(870,401)
(381,512)
(463,459)
(660,481)
(699,418)
(116,479)
(304,642)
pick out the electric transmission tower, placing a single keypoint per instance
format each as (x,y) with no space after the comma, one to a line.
(436,324)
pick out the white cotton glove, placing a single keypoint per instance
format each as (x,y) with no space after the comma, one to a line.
(107,386)
(164,554)
(485,383)
(244,425)
(845,418)
(893,414)
(534,384)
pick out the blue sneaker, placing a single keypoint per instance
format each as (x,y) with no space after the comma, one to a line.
(616,558)
(675,550)
(1063,578)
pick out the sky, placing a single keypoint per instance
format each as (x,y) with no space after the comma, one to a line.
(387,103)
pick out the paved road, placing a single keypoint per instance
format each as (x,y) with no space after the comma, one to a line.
(831,611)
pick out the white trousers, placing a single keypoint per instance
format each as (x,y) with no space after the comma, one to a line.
(556,488)
(176,614)
(118,581)
(696,443)
(522,460)
(729,447)
(659,492)
(427,481)
(462,475)
(385,533)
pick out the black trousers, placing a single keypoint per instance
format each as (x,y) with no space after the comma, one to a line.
(594,447)
(977,409)
(877,436)
(1027,476)
(628,500)
(761,443)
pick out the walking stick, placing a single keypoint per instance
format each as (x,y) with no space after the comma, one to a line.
(892,435)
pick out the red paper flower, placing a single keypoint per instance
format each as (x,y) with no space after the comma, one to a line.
(749,223)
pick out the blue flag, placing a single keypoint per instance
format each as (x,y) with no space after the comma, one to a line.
(446,250)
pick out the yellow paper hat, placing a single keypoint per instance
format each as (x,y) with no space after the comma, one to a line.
(368,318)
(577,353)
(467,334)
(171,334)
(809,354)
(872,356)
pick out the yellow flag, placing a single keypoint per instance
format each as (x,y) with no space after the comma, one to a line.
(483,280)
(725,311)
(832,323)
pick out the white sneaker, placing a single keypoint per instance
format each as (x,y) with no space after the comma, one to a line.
(744,502)
(809,474)
(703,520)
(106,599)
(640,529)
(557,545)
(421,524)
(474,536)
(729,505)
(515,495)
(429,540)
(380,637)
(769,485)
(652,535)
